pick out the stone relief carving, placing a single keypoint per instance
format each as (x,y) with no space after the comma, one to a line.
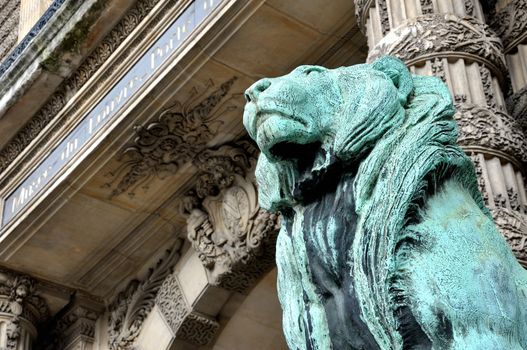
(486,80)
(511,24)
(361,12)
(437,69)
(513,226)
(487,127)
(186,324)
(517,107)
(233,236)
(131,307)
(425,37)
(69,87)
(469,7)
(20,300)
(173,139)
(384,15)
(75,329)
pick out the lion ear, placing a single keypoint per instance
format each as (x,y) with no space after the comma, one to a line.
(396,70)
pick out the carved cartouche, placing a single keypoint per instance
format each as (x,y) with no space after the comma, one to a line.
(385,242)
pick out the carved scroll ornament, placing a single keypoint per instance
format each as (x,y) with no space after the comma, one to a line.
(174,138)
(232,235)
(130,308)
(425,37)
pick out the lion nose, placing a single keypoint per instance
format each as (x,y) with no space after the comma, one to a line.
(256,89)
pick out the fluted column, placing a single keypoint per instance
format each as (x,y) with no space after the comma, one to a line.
(449,39)
(21,310)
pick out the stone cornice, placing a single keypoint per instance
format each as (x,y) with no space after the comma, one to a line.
(511,24)
(69,87)
(427,37)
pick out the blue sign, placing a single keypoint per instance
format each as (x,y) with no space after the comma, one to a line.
(107,108)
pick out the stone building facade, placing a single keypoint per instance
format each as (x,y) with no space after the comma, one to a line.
(129,213)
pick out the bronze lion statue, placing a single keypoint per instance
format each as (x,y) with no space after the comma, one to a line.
(385,241)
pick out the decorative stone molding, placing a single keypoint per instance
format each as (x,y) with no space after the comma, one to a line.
(70,86)
(186,324)
(22,309)
(427,37)
(162,146)
(492,130)
(131,307)
(233,236)
(513,226)
(9,18)
(75,330)
(517,107)
(362,7)
(511,24)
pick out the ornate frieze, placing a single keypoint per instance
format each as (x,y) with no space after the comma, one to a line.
(426,37)
(491,129)
(173,139)
(186,324)
(511,24)
(233,236)
(70,86)
(131,307)
(513,226)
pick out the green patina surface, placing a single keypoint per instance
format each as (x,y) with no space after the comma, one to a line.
(385,241)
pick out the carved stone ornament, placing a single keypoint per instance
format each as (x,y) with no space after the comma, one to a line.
(233,236)
(20,301)
(517,107)
(426,37)
(74,330)
(513,226)
(362,7)
(186,324)
(491,129)
(511,24)
(385,242)
(173,139)
(72,85)
(131,307)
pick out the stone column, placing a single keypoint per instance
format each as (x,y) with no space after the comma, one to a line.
(449,39)
(21,310)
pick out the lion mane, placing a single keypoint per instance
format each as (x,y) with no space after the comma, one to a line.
(387,142)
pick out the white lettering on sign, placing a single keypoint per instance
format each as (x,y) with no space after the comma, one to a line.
(108,107)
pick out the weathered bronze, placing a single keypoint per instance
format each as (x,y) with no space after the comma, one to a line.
(385,240)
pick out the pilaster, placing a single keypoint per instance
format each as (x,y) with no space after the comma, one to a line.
(450,40)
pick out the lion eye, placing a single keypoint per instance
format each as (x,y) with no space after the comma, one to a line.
(312,69)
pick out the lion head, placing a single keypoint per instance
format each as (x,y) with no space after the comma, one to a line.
(309,119)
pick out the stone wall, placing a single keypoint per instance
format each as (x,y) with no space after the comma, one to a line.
(9,19)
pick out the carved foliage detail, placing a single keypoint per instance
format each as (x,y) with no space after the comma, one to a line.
(131,307)
(233,236)
(162,146)
(513,225)
(511,23)
(187,325)
(423,37)
(483,126)
(517,107)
